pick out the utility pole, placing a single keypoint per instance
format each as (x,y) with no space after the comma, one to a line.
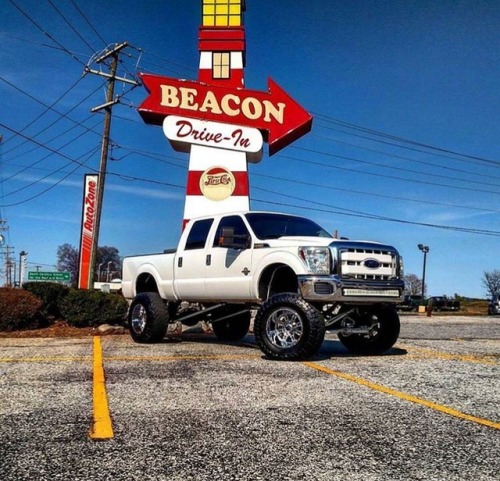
(107,106)
(9,264)
(6,250)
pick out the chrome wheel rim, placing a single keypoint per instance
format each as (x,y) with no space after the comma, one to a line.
(284,328)
(138,319)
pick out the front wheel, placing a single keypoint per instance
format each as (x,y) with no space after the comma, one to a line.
(148,318)
(384,327)
(287,327)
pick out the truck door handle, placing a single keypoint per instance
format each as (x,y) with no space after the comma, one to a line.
(209,260)
(179,262)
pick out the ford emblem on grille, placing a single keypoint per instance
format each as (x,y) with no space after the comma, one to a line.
(371,263)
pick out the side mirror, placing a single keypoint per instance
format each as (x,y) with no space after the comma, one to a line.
(230,240)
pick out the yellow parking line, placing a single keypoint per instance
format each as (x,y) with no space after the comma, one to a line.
(101,425)
(486,359)
(402,395)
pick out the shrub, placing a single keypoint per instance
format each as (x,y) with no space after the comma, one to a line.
(18,309)
(51,294)
(82,308)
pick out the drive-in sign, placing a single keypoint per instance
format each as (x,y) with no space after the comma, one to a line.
(274,112)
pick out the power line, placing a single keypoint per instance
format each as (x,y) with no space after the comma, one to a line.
(83,39)
(45,105)
(25,14)
(364,215)
(440,151)
(36,196)
(50,126)
(88,22)
(387,154)
(379,175)
(373,194)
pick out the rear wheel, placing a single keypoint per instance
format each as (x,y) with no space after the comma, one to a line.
(148,318)
(384,331)
(288,328)
(233,324)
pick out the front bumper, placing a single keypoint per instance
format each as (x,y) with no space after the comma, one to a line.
(350,291)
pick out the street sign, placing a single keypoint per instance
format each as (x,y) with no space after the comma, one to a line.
(48,276)
(274,112)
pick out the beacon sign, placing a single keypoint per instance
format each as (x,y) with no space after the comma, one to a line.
(275,113)
(216,120)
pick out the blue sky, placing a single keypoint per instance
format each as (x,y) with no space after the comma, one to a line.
(404,147)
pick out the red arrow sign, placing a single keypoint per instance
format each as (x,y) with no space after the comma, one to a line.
(273,112)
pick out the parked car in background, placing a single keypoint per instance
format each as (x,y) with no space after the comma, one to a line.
(494,306)
(443,303)
(410,303)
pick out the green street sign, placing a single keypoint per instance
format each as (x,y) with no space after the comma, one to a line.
(48,276)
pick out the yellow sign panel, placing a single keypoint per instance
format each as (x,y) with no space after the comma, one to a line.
(222,13)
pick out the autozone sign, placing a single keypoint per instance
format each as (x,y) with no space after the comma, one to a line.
(274,112)
(87,230)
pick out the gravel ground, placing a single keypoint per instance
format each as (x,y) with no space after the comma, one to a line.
(192,408)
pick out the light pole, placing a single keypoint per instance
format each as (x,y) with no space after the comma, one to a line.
(109,270)
(99,272)
(425,250)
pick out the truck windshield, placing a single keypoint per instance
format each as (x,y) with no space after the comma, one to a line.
(273,226)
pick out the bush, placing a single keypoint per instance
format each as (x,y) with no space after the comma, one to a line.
(18,309)
(51,294)
(82,308)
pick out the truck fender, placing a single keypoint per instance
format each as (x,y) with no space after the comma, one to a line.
(267,262)
(147,279)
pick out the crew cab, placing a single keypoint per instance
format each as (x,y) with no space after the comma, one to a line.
(293,273)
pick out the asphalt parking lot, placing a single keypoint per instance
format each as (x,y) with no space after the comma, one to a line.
(192,408)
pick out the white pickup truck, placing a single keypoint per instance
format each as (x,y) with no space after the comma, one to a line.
(300,280)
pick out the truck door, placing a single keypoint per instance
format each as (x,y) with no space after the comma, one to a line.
(190,263)
(228,272)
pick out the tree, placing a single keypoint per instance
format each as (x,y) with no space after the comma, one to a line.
(491,281)
(108,262)
(413,285)
(67,260)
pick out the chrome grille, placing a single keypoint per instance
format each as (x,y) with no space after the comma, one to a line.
(367,263)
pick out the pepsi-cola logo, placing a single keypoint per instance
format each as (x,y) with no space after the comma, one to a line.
(217,183)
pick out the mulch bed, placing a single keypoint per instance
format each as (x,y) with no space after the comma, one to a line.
(57,329)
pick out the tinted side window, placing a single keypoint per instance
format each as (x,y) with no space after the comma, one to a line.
(234,221)
(198,234)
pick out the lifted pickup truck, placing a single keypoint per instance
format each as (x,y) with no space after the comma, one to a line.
(299,279)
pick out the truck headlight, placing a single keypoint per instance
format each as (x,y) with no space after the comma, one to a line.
(316,259)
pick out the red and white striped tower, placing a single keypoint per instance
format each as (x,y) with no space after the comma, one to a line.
(216,120)
(218,177)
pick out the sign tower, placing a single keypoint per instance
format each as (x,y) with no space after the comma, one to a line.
(218,178)
(216,120)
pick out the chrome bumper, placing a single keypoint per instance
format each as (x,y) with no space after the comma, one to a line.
(335,289)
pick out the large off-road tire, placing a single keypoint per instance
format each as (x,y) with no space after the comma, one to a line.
(287,327)
(382,336)
(235,326)
(148,318)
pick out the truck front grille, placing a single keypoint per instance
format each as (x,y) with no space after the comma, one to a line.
(368,264)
